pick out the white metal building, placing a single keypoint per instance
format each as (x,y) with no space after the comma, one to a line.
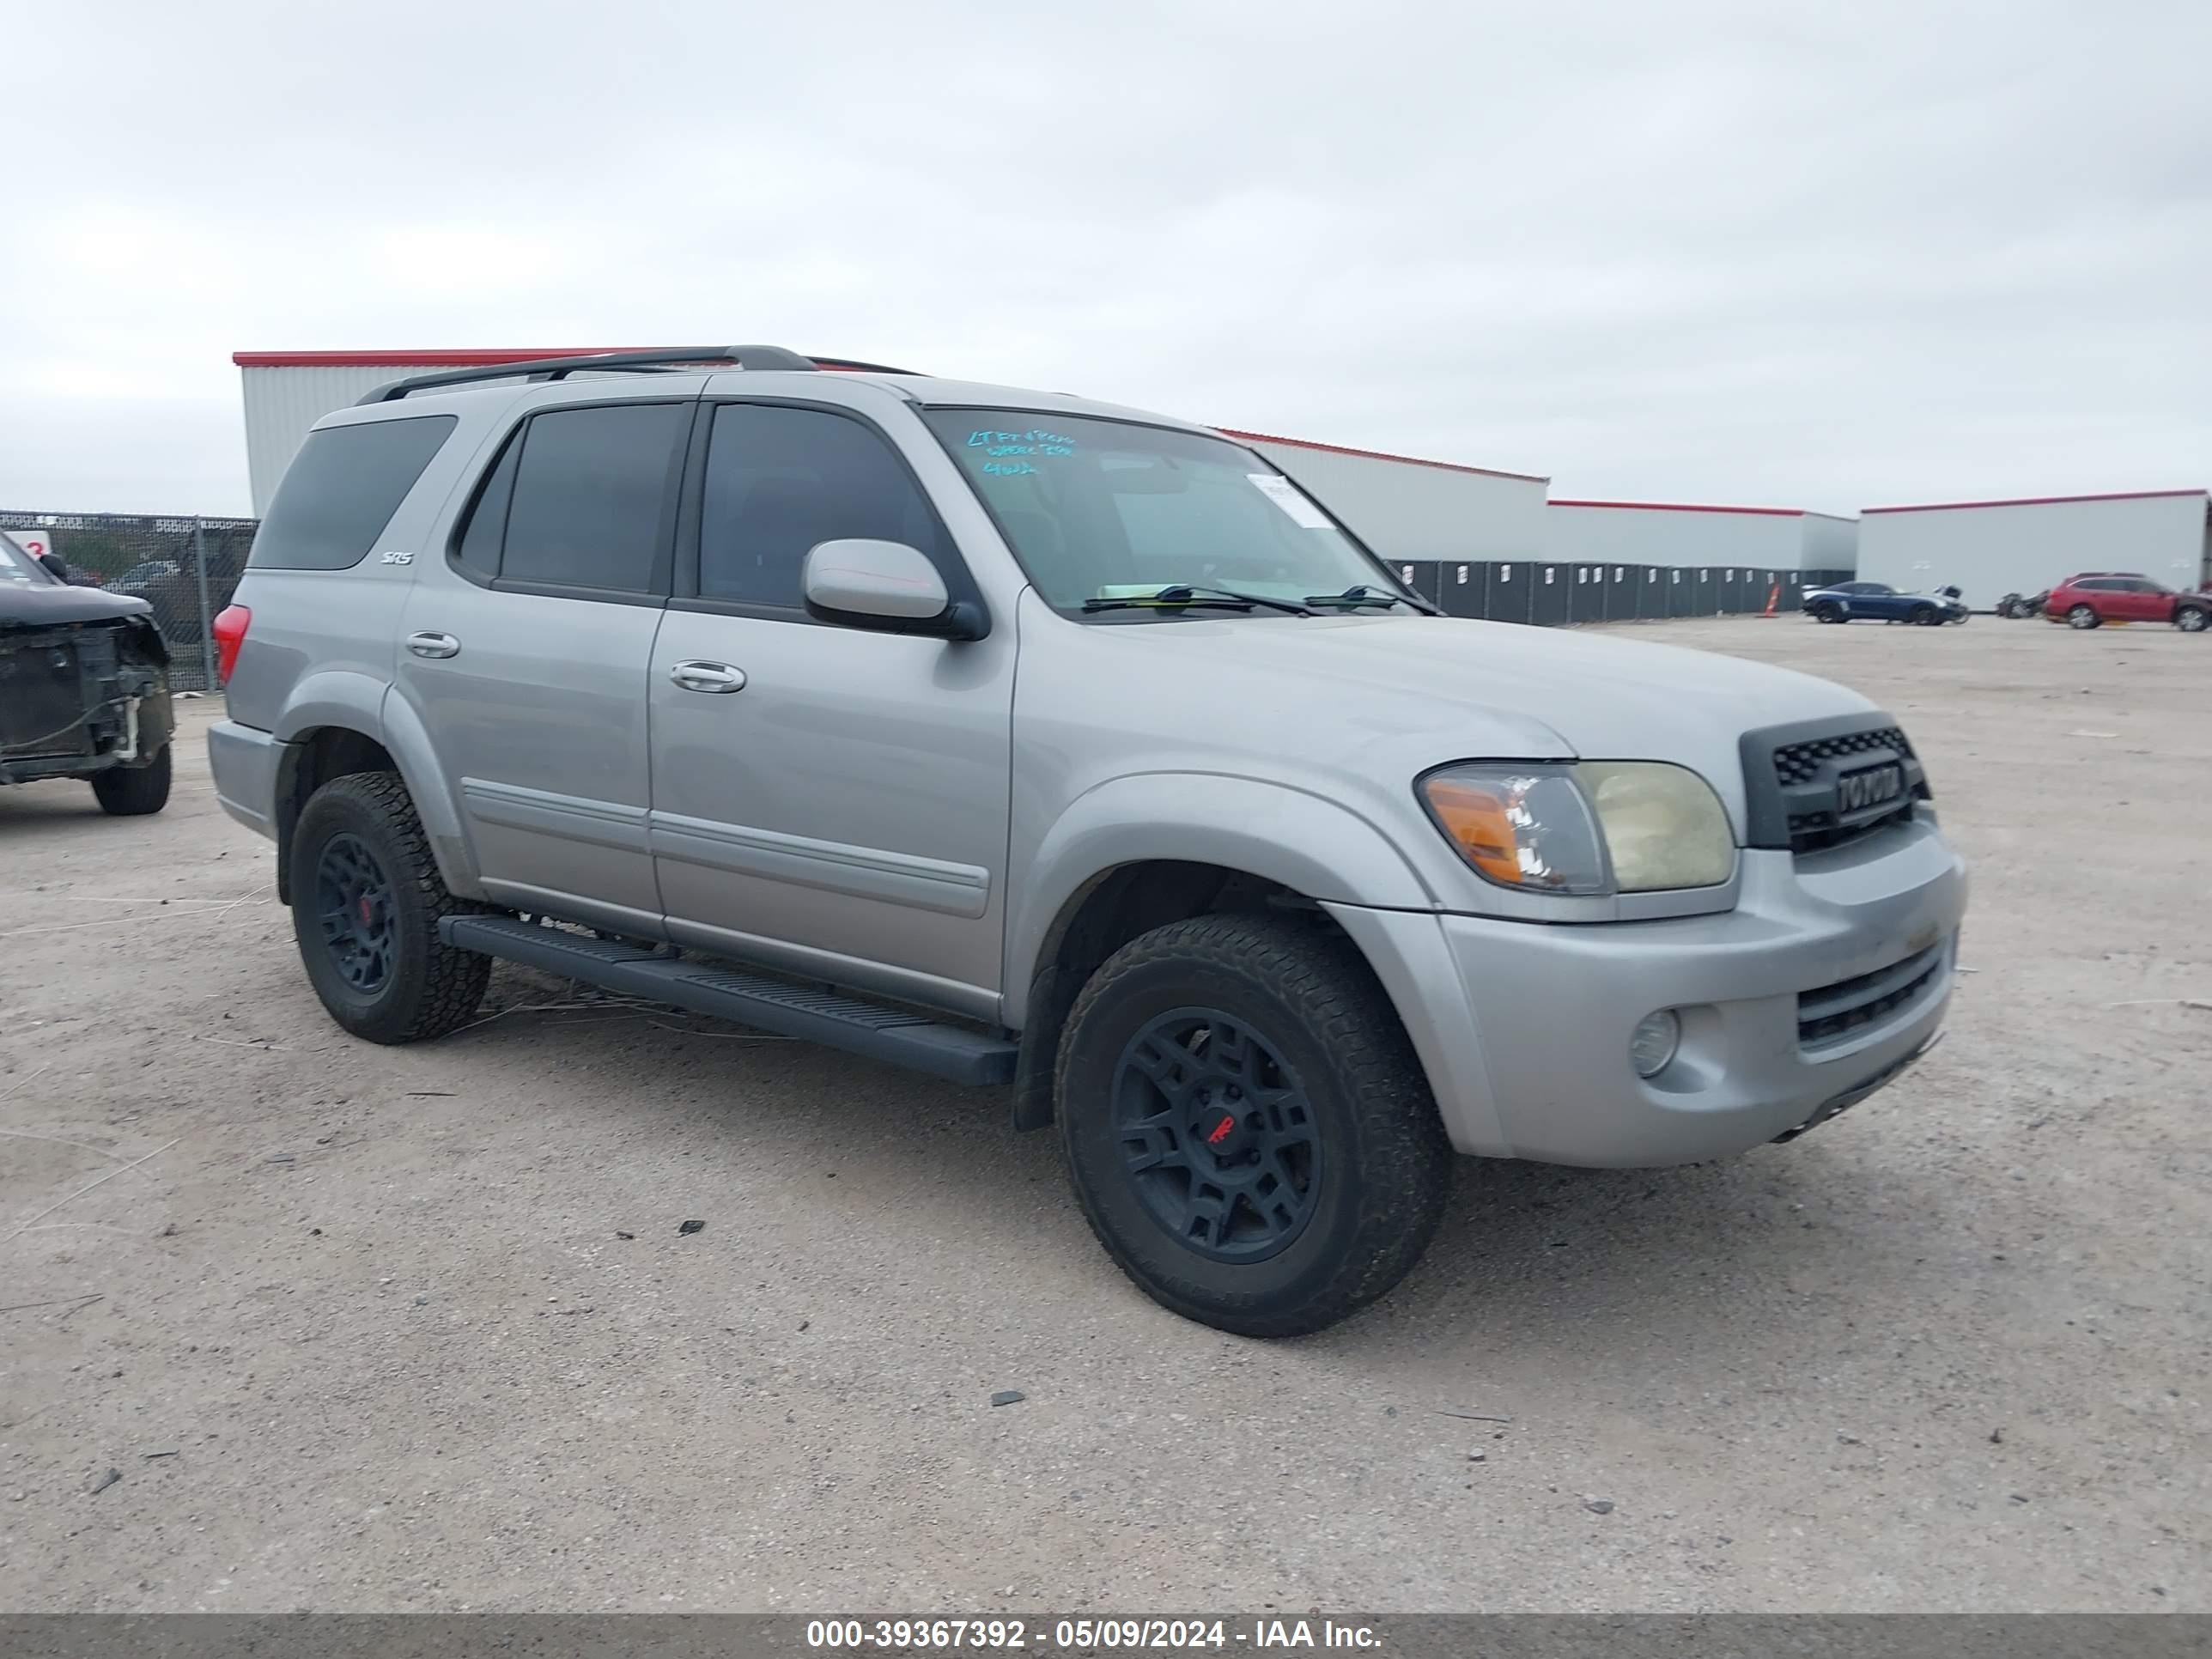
(286,393)
(1404,507)
(1990,549)
(1408,508)
(1684,533)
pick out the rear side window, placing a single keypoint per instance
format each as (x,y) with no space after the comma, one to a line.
(590,489)
(341,491)
(780,480)
(477,550)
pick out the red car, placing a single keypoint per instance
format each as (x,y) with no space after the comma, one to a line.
(2097,597)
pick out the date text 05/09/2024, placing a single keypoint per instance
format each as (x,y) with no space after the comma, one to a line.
(1084,1635)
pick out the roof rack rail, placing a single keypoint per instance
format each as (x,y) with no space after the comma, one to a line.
(856,366)
(662,359)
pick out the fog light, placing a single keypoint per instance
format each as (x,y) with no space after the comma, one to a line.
(1652,1044)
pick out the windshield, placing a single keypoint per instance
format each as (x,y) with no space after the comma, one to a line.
(1104,510)
(17,566)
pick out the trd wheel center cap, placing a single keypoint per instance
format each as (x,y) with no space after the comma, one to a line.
(1217,1125)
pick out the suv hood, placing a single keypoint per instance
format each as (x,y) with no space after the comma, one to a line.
(1397,695)
(1589,695)
(40,605)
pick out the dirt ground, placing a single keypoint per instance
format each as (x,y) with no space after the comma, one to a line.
(367,1329)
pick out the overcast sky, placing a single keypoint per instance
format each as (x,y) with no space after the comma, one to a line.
(1827,257)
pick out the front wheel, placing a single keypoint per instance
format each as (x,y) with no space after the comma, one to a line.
(1827,613)
(2081,616)
(1928,616)
(2192,620)
(366,899)
(133,792)
(1246,1125)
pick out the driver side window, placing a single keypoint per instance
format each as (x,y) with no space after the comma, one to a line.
(779,480)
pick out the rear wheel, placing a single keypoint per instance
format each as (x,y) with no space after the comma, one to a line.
(1246,1125)
(2081,616)
(366,903)
(132,791)
(2191,619)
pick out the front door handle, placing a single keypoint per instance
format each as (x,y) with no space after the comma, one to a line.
(717,677)
(433,645)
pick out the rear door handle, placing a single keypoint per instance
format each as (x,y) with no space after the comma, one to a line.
(433,645)
(716,677)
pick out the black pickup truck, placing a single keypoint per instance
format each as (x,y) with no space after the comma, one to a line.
(84,685)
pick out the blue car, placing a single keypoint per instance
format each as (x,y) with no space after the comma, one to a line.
(1880,602)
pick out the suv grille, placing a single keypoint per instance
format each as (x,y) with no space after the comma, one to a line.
(1834,1014)
(1827,783)
(1800,762)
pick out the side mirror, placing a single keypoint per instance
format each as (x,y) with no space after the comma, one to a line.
(55,567)
(888,586)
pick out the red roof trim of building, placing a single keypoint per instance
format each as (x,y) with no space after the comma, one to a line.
(2036,501)
(1377,455)
(1691,506)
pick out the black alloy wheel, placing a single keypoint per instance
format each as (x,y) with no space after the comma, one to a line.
(1217,1134)
(352,908)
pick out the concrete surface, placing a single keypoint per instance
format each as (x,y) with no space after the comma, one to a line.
(1949,1352)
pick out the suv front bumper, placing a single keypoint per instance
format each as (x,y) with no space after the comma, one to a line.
(1523,1028)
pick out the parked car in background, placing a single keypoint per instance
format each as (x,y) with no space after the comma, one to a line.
(84,686)
(1880,602)
(2094,598)
(169,588)
(149,575)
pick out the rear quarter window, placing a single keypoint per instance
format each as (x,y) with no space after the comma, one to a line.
(341,491)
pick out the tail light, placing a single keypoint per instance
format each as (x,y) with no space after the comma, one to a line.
(229,633)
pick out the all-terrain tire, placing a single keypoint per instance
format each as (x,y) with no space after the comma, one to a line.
(428,988)
(1379,1185)
(133,792)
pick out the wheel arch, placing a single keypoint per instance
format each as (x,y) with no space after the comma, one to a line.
(1145,852)
(327,740)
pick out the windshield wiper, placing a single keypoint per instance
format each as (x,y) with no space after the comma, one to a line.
(1179,595)
(1359,593)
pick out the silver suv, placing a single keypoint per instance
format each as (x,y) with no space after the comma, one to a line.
(1026,740)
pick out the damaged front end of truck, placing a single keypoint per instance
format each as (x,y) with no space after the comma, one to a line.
(84,687)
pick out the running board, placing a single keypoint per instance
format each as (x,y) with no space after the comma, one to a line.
(828,1018)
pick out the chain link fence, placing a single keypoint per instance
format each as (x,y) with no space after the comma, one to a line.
(185,568)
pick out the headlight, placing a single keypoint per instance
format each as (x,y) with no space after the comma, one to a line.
(1601,827)
(1663,825)
(1525,827)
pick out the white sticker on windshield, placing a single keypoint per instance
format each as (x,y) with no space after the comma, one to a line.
(1286,495)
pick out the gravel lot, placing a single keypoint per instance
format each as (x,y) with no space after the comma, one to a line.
(372,1330)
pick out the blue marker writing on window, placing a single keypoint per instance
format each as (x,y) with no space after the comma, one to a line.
(1035,441)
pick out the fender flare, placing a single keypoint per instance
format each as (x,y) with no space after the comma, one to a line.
(359,703)
(1312,845)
